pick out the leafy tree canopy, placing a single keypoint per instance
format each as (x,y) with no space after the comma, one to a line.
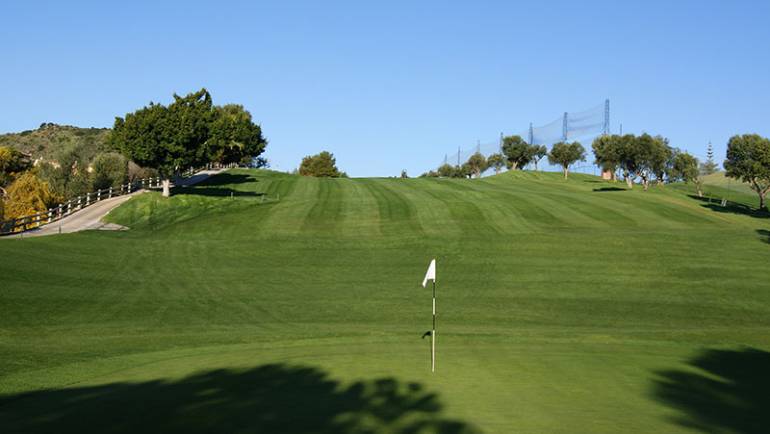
(661,155)
(748,159)
(109,170)
(26,196)
(168,139)
(189,132)
(607,152)
(12,164)
(320,165)
(684,167)
(517,151)
(496,161)
(67,175)
(477,163)
(446,171)
(565,154)
(538,152)
(643,157)
(234,137)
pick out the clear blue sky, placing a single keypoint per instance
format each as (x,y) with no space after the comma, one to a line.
(395,85)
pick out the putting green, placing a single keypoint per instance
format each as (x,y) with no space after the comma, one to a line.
(261,302)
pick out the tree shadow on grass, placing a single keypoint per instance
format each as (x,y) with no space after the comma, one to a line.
(266,399)
(215,192)
(227,179)
(218,186)
(602,189)
(728,391)
(764,233)
(730,207)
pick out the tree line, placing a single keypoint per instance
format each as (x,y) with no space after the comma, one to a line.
(641,159)
(156,140)
(515,154)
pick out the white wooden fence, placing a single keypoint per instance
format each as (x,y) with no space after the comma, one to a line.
(65,209)
(33,221)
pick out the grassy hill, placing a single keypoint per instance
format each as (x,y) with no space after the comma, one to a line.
(564,306)
(720,180)
(51,139)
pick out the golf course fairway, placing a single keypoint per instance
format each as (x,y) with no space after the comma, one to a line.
(265,302)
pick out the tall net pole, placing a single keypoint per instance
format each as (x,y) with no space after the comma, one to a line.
(564,128)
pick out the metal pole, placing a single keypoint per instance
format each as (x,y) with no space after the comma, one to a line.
(433,333)
(531,134)
(564,128)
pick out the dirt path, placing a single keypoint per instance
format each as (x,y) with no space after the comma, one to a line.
(90,218)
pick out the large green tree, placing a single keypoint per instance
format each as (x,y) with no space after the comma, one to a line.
(685,168)
(322,165)
(538,153)
(565,154)
(168,139)
(477,163)
(517,151)
(110,169)
(661,158)
(642,157)
(630,158)
(446,170)
(607,151)
(496,162)
(748,159)
(234,137)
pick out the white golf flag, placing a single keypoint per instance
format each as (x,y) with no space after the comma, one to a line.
(431,274)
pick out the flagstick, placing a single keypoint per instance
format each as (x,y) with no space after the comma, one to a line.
(433,334)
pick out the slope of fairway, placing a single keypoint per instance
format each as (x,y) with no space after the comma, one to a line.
(719,179)
(265,302)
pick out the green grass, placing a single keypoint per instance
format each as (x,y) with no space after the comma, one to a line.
(720,180)
(564,306)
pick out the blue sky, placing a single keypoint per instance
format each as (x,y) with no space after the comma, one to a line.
(395,85)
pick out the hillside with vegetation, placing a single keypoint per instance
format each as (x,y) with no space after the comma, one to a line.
(42,168)
(563,306)
(51,140)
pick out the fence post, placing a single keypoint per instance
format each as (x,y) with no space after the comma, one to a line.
(50,215)
(110,197)
(69,207)
(80,202)
(88,199)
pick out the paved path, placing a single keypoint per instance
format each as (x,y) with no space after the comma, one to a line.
(90,218)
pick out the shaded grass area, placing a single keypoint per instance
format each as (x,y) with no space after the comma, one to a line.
(559,301)
(726,390)
(265,399)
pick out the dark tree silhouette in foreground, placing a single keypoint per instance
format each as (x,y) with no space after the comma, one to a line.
(266,399)
(728,391)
